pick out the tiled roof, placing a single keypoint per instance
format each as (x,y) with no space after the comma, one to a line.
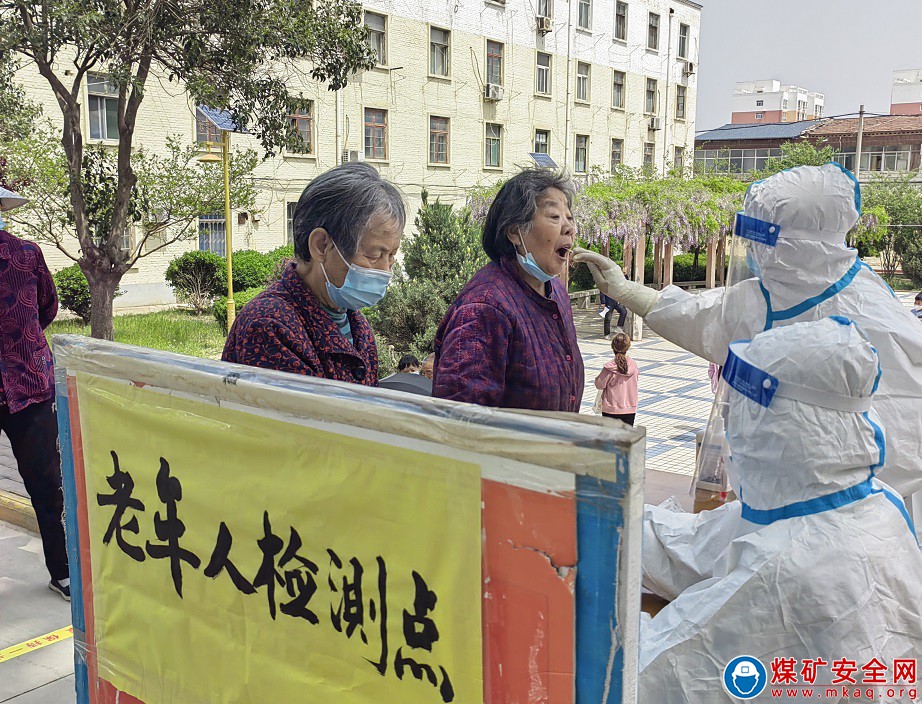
(872,125)
(775,130)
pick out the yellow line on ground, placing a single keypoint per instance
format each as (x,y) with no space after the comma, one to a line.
(14,651)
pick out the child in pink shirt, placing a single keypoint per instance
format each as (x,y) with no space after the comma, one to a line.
(618,382)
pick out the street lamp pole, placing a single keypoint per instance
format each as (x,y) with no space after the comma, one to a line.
(228,236)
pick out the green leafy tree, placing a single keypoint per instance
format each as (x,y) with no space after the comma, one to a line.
(235,55)
(170,192)
(440,259)
(901,199)
(800,153)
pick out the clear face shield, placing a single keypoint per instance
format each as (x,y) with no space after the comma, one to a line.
(740,378)
(751,239)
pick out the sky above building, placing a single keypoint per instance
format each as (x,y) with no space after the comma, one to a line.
(845,49)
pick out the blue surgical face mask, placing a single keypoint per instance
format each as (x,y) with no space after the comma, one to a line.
(753,264)
(362,287)
(530,266)
(2,222)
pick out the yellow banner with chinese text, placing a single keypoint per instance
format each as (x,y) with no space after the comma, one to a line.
(248,559)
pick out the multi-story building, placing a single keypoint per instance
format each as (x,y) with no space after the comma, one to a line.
(759,102)
(889,145)
(906,92)
(463,93)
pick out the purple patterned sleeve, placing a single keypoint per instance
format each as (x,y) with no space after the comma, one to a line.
(472,358)
(47,293)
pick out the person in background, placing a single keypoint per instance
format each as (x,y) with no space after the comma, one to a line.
(408,364)
(917,311)
(428,368)
(612,305)
(27,412)
(508,340)
(618,382)
(348,225)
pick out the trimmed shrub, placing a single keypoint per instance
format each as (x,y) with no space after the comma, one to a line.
(280,258)
(251,269)
(74,291)
(682,268)
(241,298)
(197,277)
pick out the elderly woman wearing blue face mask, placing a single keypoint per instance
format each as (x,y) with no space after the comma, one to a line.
(347,229)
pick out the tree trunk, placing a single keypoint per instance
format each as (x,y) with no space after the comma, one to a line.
(103,286)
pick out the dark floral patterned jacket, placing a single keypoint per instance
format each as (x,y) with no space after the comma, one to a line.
(285,328)
(28,304)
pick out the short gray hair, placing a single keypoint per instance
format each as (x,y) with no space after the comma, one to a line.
(342,201)
(515,206)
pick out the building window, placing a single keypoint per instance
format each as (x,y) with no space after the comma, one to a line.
(543,74)
(375,134)
(438,140)
(617,152)
(545,8)
(302,123)
(582,81)
(678,160)
(581,162)
(818,112)
(886,159)
(784,104)
(495,63)
(584,18)
(103,98)
(653,32)
(680,92)
(212,234)
(290,221)
(439,43)
(733,161)
(493,145)
(126,242)
(649,151)
(377,35)
(760,103)
(542,141)
(801,109)
(621,21)
(617,89)
(759,115)
(683,41)
(650,97)
(205,130)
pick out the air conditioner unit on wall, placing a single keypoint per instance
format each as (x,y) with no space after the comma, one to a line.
(689,68)
(352,155)
(544,24)
(492,92)
(656,123)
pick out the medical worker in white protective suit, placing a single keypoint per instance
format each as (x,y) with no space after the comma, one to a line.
(823,563)
(795,223)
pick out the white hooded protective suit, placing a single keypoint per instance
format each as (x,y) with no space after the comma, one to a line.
(822,563)
(810,274)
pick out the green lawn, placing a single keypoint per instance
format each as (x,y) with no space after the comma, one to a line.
(178,331)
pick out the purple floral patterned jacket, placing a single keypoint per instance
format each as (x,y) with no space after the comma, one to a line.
(285,328)
(28,304)
(501,344)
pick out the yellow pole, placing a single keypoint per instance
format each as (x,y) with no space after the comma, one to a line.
(225,154)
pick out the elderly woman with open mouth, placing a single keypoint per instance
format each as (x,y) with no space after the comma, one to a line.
(509,340)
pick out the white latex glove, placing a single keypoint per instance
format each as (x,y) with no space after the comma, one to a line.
(611,281)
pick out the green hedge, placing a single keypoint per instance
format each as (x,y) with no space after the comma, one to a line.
(74,292)
(196,277)
(241,298)
(251,269)
(682,268)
